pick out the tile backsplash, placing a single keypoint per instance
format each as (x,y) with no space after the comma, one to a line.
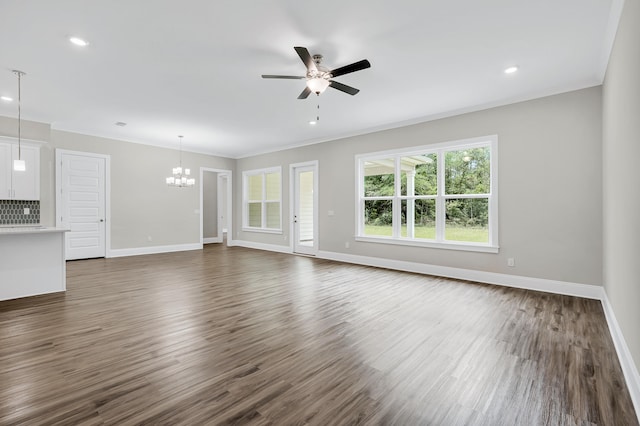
(12,212)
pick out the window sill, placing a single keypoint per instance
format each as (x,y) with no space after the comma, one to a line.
(449,245)
(262,230)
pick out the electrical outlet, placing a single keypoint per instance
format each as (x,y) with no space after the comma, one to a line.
(346,244)
(149,238)
(511,262)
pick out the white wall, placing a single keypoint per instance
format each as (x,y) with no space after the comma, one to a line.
(621,153)
(550,182)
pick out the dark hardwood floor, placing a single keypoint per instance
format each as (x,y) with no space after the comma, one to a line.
(240,336)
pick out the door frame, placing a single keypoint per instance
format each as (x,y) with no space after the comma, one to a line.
(292,204)
(229,175)
(107,191)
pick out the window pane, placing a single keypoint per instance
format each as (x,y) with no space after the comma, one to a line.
(423,221)
(378,217)
(254,187)
(422,173)
(255,215)
(467,219)
(273,215)
(273,186)
(379,178)
(467,171)
(403,217)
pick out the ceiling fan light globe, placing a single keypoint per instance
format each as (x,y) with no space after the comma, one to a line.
(317,84)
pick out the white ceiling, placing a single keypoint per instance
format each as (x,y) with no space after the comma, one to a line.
(193,67)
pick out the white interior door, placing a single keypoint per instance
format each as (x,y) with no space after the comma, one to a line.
(305,210)
(82,204)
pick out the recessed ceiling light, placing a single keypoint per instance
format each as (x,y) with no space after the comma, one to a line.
(6,98)
(511,70)
(120,123)
(313,123)
(78,41)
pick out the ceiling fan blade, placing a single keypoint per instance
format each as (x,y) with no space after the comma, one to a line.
(288,77)
(343,87)
(305,93)
(306,58)
(356,66)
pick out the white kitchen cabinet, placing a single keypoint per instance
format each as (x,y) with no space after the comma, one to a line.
(16,185)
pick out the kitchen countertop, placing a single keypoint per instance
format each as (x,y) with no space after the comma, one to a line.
(12,230)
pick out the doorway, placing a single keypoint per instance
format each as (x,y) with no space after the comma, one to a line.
(305,208)
(82,204)
(215,205)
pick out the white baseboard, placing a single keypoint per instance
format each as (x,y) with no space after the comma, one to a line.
(137,251)
(629,369)
(262,246)
(518,281)
(210,240)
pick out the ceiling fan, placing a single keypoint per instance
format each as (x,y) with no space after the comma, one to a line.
(319,77)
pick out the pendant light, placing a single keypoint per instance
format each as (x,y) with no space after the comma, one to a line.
(18,164)
(180,176)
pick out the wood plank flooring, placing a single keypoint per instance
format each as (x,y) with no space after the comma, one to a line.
(240,336)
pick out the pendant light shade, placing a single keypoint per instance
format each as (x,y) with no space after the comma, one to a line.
(19,165)
(180,177)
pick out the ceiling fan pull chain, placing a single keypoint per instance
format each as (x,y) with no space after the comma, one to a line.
(318,113)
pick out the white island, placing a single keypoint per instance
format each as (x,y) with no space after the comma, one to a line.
(32,261)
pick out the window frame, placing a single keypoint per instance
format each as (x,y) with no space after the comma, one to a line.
(263,201)
(441,197)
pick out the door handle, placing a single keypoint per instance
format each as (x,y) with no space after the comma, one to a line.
(101,220)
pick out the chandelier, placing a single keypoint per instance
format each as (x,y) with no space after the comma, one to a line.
(180,176)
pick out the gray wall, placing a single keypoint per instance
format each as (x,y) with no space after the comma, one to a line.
(142,205)
(30,129)
(621,151)
(550,183)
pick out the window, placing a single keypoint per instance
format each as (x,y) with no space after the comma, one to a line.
(442,195)
(261,208)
